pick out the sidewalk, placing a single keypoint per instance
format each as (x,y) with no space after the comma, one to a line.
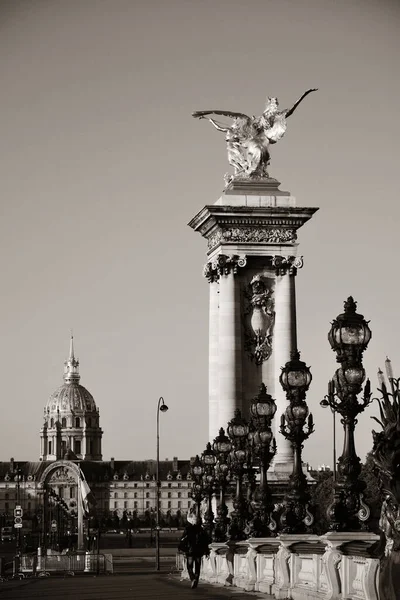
(149,586)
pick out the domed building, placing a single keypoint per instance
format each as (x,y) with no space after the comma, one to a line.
(71,428)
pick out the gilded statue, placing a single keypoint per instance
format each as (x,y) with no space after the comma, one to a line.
(248,138)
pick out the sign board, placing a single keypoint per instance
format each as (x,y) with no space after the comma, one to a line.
(18,512)
(17,525)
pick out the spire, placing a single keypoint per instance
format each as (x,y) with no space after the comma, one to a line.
(71,348)
(71,366)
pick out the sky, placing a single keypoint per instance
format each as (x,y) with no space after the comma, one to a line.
(102,167)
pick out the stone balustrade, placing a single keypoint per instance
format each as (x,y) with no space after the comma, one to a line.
(334,566)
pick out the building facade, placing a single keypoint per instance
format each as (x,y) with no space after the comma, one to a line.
(71,453)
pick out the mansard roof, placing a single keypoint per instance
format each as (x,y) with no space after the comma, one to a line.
(117,470)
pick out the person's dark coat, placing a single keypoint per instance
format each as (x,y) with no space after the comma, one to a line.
(194,541)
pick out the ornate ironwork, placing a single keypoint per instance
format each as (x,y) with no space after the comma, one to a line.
(238,430)
(349,337)
(222,447)
(296,516)
(263,446)
(208,460)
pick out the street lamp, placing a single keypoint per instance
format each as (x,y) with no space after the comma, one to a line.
(324,403)
(295,380)
(238,431)
(349,337)
(209,459)
(262,410)
(161,407)
(222,447)
(197,471)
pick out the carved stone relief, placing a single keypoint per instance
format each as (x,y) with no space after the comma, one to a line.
(259,318)
(255,235)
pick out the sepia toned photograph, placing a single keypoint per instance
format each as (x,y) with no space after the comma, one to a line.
(199,311)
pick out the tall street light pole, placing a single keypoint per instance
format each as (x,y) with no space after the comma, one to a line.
(161,407)
(324,403)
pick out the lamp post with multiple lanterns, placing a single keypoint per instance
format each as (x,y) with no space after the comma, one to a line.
(209,460)
(263,444)
(238,431)
(349,337)
(222,447)
(295,379)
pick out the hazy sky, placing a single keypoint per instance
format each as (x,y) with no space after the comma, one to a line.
(102,166)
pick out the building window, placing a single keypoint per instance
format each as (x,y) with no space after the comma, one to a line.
(147,504)
(179,495)
(189,504)
(63,422)
(125,505)
(49,452)
(77,422)
(135,495)
(179,485)
(115,495)
(115,504)
(125,485)
(147,485)
(147,494)
(169,504)
(169,485)
(77,446)
(72,492)
(125,494)
(135,485)
(52,423)
(169,495)
(6,506)
(135,505)
(179,504)
(61,492)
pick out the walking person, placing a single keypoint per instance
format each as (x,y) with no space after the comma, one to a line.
(194,544)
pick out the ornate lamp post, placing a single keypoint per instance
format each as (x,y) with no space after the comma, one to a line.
(238,431)
(209,459)
(161,407)
(295,380)
(222,447)
(349,337)
(262,409)
(197,471)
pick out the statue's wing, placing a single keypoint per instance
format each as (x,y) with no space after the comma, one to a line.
(225,113)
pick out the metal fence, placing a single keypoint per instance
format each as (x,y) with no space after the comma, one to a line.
(66,563)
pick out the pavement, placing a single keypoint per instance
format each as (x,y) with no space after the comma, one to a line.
(136,586)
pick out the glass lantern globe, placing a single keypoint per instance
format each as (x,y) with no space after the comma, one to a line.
(222,444)
(238,427)
(295,374)
(208,457)
(349,329)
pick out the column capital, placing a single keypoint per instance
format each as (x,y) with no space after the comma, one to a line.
(223,264)
(287,264)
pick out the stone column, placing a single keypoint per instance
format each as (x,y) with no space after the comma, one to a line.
(225,341)
(284,343)
(213,388)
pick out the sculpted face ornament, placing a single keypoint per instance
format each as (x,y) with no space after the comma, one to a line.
(248,138)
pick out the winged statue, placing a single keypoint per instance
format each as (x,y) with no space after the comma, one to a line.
(248,138)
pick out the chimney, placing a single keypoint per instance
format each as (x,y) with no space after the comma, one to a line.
(175,464)
(11,465)
(192,459)
(112,463)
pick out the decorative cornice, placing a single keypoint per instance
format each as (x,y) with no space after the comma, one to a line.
(253,235)
(223,265)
